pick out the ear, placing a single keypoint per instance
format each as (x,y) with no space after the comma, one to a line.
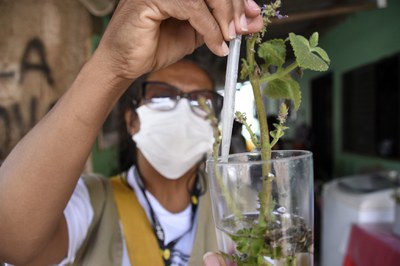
(132,122)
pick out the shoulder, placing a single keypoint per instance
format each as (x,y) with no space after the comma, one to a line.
(95,222)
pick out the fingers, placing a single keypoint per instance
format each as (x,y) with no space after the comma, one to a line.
(213,259)
(207,26)
(226,17)
(254,19)
(242,16)
(252,9)
(223,15)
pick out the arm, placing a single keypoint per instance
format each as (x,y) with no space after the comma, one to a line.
(39,175)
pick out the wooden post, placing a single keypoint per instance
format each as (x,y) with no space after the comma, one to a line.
(43,45)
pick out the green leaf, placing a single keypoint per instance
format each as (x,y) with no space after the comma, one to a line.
(273,52)
(300,39)
(321,52)
(304,55)
(256,245)
(284,88)
(314,39)
(276,134)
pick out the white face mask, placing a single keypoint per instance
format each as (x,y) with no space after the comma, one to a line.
(173,141)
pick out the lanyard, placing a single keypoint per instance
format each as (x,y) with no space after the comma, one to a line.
(157,228)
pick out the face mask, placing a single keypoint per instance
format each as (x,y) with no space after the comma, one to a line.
(173,141)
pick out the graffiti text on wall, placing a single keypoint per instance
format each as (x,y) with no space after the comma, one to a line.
(11,118)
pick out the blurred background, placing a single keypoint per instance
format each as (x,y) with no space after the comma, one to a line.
(349,117)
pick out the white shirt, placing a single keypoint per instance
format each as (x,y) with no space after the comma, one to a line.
(79,215)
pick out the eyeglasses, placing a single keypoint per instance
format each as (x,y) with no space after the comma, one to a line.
(164,97)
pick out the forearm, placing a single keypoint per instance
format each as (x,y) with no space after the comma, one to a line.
(38,177)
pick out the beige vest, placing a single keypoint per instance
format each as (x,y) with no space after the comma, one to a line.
(103,245)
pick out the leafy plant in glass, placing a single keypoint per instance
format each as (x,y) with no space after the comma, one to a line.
(274,233)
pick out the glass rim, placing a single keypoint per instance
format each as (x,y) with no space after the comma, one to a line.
(297,154)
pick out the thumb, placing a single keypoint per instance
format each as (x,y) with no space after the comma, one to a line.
(213,259)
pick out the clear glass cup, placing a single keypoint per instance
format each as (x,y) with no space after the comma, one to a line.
(280,232)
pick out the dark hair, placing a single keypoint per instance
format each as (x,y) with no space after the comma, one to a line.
(126,146)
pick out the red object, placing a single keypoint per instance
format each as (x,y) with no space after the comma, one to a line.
(373,245)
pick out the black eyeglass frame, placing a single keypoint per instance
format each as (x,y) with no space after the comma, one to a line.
(217,99)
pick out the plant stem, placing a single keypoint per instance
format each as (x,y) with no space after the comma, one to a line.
(217,141)
(241,118)
(225,192)
(265,195)
(285,72)
(276,139)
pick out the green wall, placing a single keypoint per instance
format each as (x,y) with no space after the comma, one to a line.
(104,160)
(360,39)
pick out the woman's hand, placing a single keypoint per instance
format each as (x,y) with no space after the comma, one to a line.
(213,259)
(146,35)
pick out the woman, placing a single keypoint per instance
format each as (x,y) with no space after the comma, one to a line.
(172,135)
(41,173)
